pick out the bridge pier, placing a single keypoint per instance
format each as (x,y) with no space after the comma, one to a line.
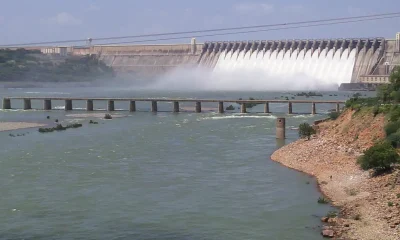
(337,107)
(313,111)
(47,104)
(154,106)
(280,128)
(198,107)
(27,104)
(68,105)
(220,107)
(243,108)
(110,106)
(290,108)
(6,103)
(132,106)
(89,105)
(266,107)
(176,107)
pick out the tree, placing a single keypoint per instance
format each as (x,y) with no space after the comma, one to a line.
(395,78)
(379,157)
(305,130)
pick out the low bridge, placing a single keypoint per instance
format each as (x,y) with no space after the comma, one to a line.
(153,101)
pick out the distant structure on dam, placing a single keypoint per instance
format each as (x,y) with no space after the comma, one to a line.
(368,61)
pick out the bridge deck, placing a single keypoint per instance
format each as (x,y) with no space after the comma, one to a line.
(178,100)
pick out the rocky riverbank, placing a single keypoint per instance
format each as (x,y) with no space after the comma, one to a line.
(370,206)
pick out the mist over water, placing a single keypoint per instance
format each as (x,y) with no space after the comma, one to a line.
(275,70)
(204,79)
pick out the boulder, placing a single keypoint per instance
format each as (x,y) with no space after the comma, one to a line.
(328,233)
(324,219)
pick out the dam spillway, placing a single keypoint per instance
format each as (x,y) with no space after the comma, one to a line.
(323,61)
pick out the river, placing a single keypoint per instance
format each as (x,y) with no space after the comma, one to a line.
(155,176)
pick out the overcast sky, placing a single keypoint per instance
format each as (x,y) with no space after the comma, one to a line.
(48,20)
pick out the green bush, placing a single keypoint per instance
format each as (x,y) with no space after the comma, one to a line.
(379,157)
(376,110)
(392,127)
(394,113)
(230,108)
(305,130)
(107,116)
(334,115)
(394,139)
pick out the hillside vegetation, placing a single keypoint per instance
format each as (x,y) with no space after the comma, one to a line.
(28,65)
(383,155)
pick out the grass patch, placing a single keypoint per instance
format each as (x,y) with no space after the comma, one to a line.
(390,204)
(93,122)
(322,200)
(352,192)
(331,214)
(59,127)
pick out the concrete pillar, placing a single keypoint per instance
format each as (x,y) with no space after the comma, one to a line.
(176,107)
(337,107)
(198,107)
(68,105)
(290,108)
(221,107)
(27,104)
(243,108)
(266,107)
(132,106)
(313,111)
(47,104)
(110,105)
(89,105)
(6,103)
(154,106)
(280,128)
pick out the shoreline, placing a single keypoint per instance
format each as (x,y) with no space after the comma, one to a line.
(330,157)
(10,126)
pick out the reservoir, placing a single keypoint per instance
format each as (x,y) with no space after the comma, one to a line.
(155,176)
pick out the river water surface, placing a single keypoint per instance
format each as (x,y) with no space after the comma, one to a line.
(154,176)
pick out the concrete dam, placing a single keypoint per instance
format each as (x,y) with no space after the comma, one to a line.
(331,61)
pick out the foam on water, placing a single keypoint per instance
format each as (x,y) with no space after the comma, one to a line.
(303,116)
(75,108)
(236,116)
(60,93)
